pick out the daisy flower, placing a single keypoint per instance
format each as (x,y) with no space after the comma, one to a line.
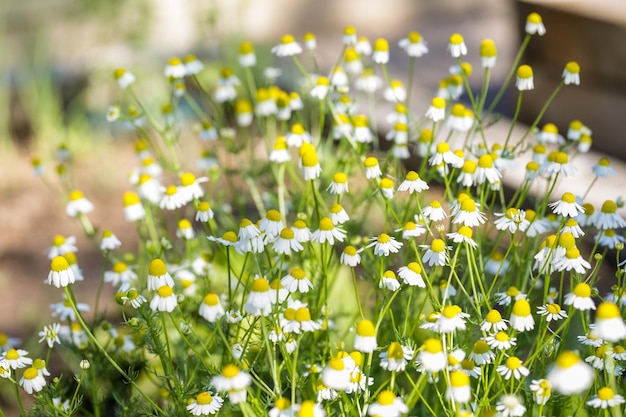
(466,176)
(456,46)
(434,212)
(549,134)
(234,381)
(120,275)
(488,53)
(297,136)
(338,214)
(521,317)
(395,93)
(513,368)
(297,319)
(205,404)
(211,309)
(432,357)
(296,281)
(320,89)
(327,232)
(365,337)
(311,168)
(336,375)
(396,357)
(412,275)
(601,354)
(384,245)
(605,398)
(437,111)
(436,253)
(368,81)
(494,322)
(280,153)
(501,341)
(512,220)
(452,318)
(510,406)
(109,241)
(164,299)
(413,183)
(350,256)
(286,242)
(372,168)
(567,206)
(459,389)
(524,79)
(481,353)
(552,312)
(78,204)
(15,359)
(542,390)
(414,45)
(608,218)
(389,281)
(381,51)
(287,47)
(571,260)
(339,184)
(468,214)
(411,229)
(463,235)
(603,168)
(61,274)
(259,300)
(609,324)
(534,24)
(62,245)
(189,188)
(362,131)
(570,375)
(301,231)
(32,380)
(580,298)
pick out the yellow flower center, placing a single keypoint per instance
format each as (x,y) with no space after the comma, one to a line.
(481,347)
(437,245)
(438,103)
(433,346)
(469,167)
(30,373)
(607,310)
(513,363)
(184,224)
(246,48)
(383,238)
(211,299)
(326,224)
(230,371)
(340,178)
(561,158)
(488,48)
(534,18)
(521,308)
(468,205)
(609,207)
(568,198)
(365,328)
(493,316)
(370,162)
(309,159)
(459,379)
(451,311)
(12,355)
(282,403)
(157,268)
(260,285)
(386,397)
(443,147)
(165,291)
(415,267)
(280,144)
(466,231)
(456,39)
(458,110)
(297,273)
(336,364)
(303,314)
(76,195)
(502,337)
(381,45)
(350,250)
(567,359)
(512,291)
(58,264)
(525,72)
(572,67)
(582,290)
(567,240)
(553,308)
(605,393)
(58,240)
(119,267)
(415,37)
(204,398)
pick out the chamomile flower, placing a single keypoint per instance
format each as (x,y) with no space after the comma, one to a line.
(62,245)
(396,357)
(436,253)
(164,300)
(567,206)
(50,334)
(185,230)
(381,51)
(463,235)
(609,324)
(301,231)
(524,80)
(296,281)
(259,300)
(434,212)
(158,275)
(234,381)
(571,73)
(413,183)
(311,168)
(468,214)
(123,77)
(570,375)
(384,245)
(452,319)
(78,204)
(411,229)
(456,46)
(372,168)
(365,337)
(61,274)
(494,322)
(488,53)
(321,88)
(432,357)
(437,110)
(443,154)
(133,298)
(459,389)
(580,297)
(395,93)
(120,276)
(205,404)
(521,318)
(338,214)
(603,168)
(350,256)
(287,47)
(510,406)
(412,275)
(279,152)
(15,359)
(481,353)
(336,375)
(549,134)
(339,184)
(552,312)
(572,259)
(608,218)
(513,368)
(512,220)
(542,390)
(414,45)
(327,232)
(501,341)
(368,81)
(496,264)
(286,242)
(32,380)
(389,281)
(211,309)
(605,398)
(534,24)
(599,357)
(175,68)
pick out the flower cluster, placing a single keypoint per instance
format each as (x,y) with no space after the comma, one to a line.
(300,270)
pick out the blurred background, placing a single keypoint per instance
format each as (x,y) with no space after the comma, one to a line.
(58,57)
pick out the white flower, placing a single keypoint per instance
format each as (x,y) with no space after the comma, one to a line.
(205,404)
(570,375)
(510,406)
